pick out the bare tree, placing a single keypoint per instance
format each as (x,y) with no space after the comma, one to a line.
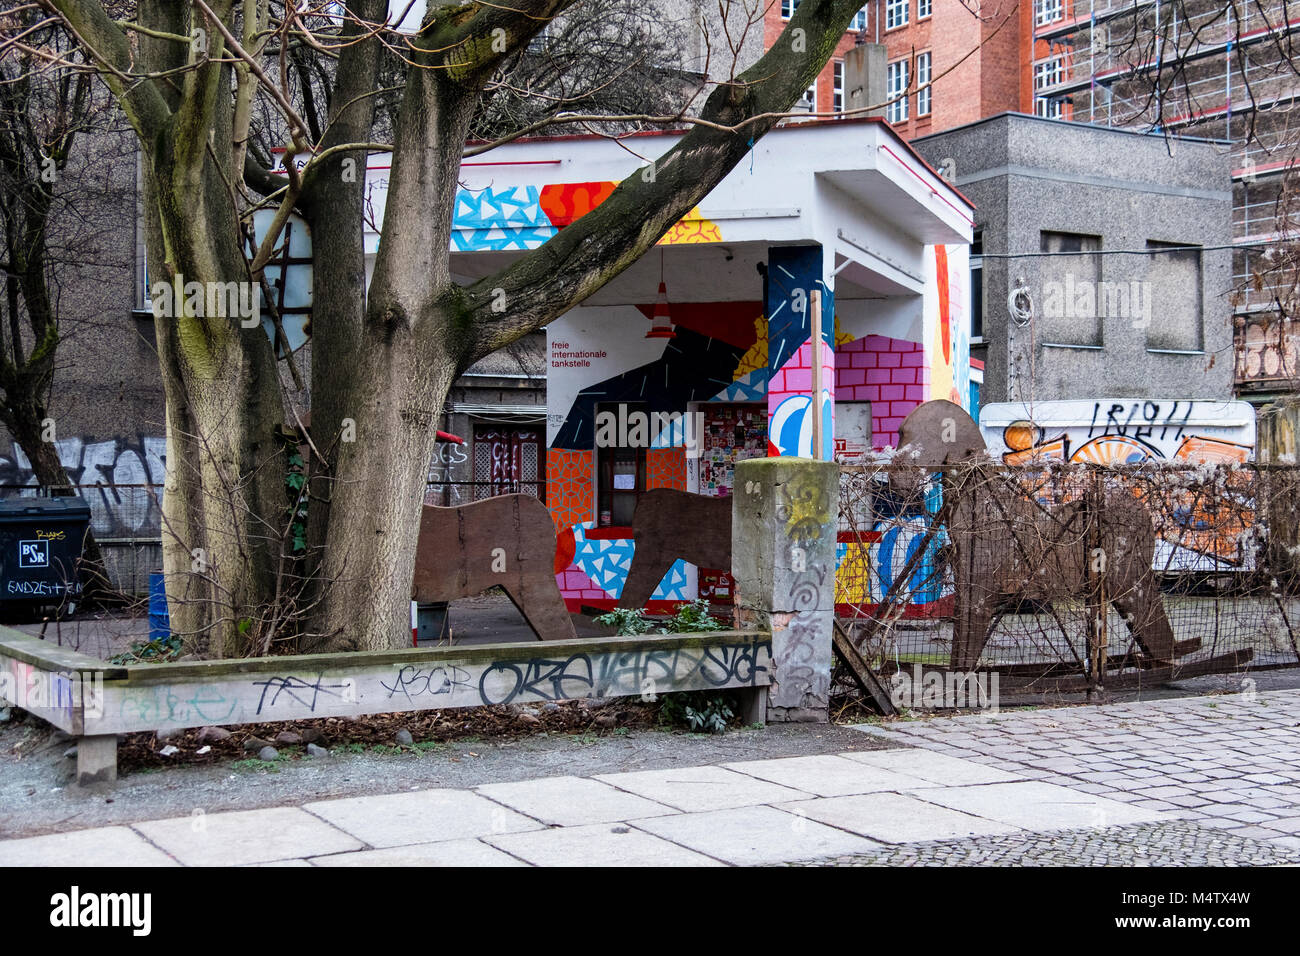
(188,76)
(56,139)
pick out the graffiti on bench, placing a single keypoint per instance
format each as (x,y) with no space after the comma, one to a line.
(612,667)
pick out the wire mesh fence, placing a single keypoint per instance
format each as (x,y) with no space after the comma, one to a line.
(1069,576)
(449,493)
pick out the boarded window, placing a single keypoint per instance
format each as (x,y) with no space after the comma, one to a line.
(1170,305)
(1068,312)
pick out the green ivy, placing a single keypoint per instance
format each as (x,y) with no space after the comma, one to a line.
(701,711)
(295,481)
(691,617)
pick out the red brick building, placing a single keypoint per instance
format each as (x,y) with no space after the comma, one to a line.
(959,66)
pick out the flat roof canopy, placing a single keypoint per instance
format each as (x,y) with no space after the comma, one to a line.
(851,186)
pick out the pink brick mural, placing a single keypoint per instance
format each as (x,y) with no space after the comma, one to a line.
(891,374)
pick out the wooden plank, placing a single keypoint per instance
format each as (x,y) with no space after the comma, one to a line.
(1223,663)
(52,693)
(863,676)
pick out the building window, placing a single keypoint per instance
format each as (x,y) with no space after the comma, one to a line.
(507,461)
(837,96)
(1067,309)
(1049,107)
(620,478)
(1049,73)
(1168,304)
(859,21)
(922,84)
(1047,11)
(977,287)
(895,13)
(896,112)
(788,7)
(922,9)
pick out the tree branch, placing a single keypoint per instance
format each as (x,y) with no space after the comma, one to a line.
(548,281)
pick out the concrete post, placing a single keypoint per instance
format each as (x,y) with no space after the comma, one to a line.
(96,759)
(784,520)
(865,82)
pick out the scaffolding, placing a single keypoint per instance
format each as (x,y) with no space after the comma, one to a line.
(1195,68)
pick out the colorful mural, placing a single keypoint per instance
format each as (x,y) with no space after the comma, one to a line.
(524,217)
(1119,431)
(1128,432)
(728,352)
(946,324)
(891,374)
(793,272)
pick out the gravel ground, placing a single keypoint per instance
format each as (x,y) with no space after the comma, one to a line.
(37,797)
(1143,844)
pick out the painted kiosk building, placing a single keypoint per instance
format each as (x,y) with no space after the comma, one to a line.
(700,354)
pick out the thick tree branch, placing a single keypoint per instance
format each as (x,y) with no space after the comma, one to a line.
(550,280)
(106,43)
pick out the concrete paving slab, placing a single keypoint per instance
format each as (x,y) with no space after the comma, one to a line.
(422,816)
(1038,806)
(827,775)
(442,853)
(102,846)
(278,863)
(571,801)
(896,818)
(939,769)
(753,836)
(247,836)
(597,844)
(699,789)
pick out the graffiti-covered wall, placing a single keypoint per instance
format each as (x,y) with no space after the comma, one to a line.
(1105,431)
(121,479)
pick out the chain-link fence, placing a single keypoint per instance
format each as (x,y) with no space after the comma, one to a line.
(1071,576)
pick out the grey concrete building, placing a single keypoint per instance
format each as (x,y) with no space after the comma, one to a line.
(1116,247)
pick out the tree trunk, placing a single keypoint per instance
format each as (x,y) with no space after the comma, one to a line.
(224,500)
(374,526)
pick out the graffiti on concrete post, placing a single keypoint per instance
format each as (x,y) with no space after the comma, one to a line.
(805,513)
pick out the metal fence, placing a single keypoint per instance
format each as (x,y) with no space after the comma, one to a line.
(1066,577)
(126,519)
(450,493)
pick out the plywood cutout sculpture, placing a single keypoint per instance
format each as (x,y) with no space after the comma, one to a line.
(1007,546)
(508,542)
(669,524)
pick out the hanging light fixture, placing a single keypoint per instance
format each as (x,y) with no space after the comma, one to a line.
(663,322)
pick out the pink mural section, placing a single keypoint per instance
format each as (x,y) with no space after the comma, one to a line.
(889,373)
(789,399)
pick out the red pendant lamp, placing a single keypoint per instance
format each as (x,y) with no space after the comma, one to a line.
(662,327)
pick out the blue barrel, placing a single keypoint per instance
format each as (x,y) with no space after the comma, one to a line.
(160,627)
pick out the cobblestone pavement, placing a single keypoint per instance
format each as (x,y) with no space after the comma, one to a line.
(1146,844)
(1230,762)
